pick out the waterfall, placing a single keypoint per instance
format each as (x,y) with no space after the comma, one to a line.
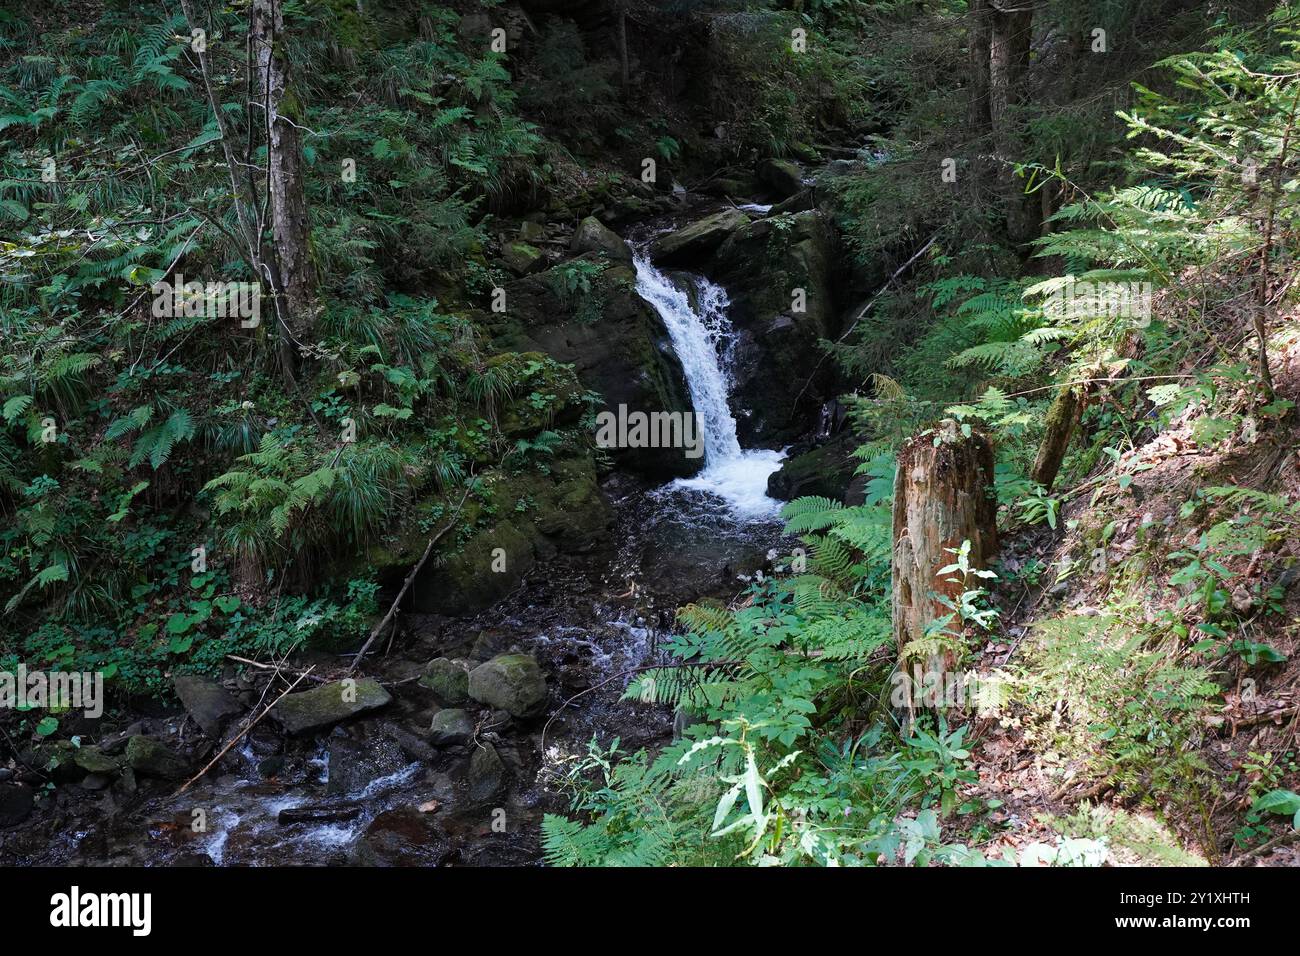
(701,335)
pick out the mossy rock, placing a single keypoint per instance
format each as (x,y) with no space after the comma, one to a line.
(547,394)
(697,241)
(523,259)
(536,513)
(625,355)
(825,471)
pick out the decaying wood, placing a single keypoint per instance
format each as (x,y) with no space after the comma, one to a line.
(1062,417)
(942,498)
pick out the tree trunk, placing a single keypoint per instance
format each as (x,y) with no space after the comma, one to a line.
(942,498)
(626,73)
(1011,28)
(290,223)
(979,35)
(1061,420)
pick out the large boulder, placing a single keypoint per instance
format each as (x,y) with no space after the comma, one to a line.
(777,272)
(825,471)
(696,242)
(210,704)
(593,236)
(615,341)
(534,515)
(781,176)
(328,704)
(510,682)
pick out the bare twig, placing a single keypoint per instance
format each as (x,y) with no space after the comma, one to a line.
(240,736)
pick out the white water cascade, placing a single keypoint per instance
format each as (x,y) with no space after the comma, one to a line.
(701,333)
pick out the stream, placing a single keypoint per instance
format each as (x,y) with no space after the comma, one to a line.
(588,618)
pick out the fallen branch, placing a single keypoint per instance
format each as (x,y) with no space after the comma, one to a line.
(240,736)
(406,585)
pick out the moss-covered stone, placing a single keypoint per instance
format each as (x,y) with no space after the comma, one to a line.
(152,758)
(825,471)
(697,241)
(510,682)
(523,259)
(448,679)
(328,704)
(625,355)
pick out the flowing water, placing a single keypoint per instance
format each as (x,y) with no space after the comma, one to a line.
(694,311)
(590,619)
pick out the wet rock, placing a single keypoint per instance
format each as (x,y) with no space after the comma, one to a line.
(781,176)
(55,758)
(319,814)
(412,746)
(449,681)
(15,803)
(487,774)
(592,236)
(511,682)
(355,763)
(825,471)
(402,837)
(210,704)
(272,766)
(153,758)
(6,774)
(451,728)
(536,514)
(523,259)
(617,344)
(699,240)
(488,644)
(96,781)
(94,760)
(775,352)
(328,704)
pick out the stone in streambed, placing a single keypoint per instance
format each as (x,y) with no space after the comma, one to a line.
(451,728)
(402,837)
(782,176)
(329,703)
(510,682)
(15,803)
(592,236)
(356,763)
(94,760)
(153,758)
(210,704)
(699,239)
(448,679)
(487,774)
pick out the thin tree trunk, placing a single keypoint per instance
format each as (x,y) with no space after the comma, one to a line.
(1062,418)
(622,48)
(979,35)
(290,222)
(942,498)
(1011,27)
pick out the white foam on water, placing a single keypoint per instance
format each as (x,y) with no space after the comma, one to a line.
(702,338)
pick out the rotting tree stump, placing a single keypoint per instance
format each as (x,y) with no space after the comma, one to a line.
(942,497)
